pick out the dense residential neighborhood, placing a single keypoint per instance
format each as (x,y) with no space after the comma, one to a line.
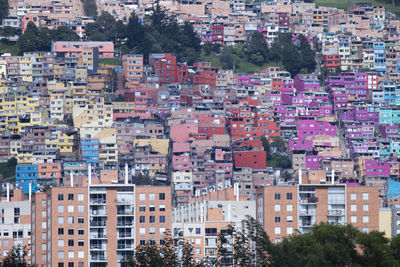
(217,131)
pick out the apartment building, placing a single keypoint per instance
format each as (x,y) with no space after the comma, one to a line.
(96,225)
(201,219)
(283,208)
(15,222)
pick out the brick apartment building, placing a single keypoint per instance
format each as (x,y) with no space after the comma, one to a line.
(282,209)
(96,225)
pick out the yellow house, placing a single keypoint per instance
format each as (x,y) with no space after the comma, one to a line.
(66,142)
(158,145)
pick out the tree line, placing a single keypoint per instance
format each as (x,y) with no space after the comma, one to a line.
(161,32)
(325,245)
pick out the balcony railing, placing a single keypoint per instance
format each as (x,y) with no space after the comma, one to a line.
(98,258)
(95,236)
(335,212)
(98,224)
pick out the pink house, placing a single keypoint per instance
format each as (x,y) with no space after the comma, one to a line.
(75,49)
(181,132)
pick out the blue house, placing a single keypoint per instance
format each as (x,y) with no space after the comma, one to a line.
(25,175)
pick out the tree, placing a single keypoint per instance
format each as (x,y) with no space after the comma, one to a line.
(16,258)
(395,248)
(29,41)
(257,49)
(168,250)
(227,58)
(3,9)
(375,250)
(307,54)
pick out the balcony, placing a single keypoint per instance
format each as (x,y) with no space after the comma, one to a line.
(98,236)
(98,247)
(336,212)
(98,212)
(97,201)
(311,200)
(126,235)
(306,223)
(126,246)
(98,224)
(98,258)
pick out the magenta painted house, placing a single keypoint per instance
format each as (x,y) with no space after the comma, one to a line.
(306,82)
(296,144)
(313,127)
(376,168)
(312,162)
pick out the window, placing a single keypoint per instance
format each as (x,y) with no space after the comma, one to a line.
(365,219)
(81,231)
(81,254)
(353,207)
(289,207)
(289,196)
(17,211)
(289,218)
(44,246)
(60,231)
(152,196)
(60,220)
(70,219)
(60,197)
(70,197)
(162,207)
(162,219)
(365,207)
(353,219)
(198,231)
(70,242)
(80,197)
(277,219)
(142,219)
(81,243)
(71,231)
(365,196)
(353,196)
(60,242)
(277,207)
(162,230)
(81,208)
(277,196)
(161,196)
(70,255)
(152,219)
(142,208)
(142,197)
(70,264)
(365,229)
(142,231)
(142,242)
(61,264)
(289,230)
(277,230)
(44,235)
(61,254)
(70,208)
(81,220)
(152,208)
(60,208)
(152,230)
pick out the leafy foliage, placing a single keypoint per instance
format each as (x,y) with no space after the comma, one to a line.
(3,9)
(35,39)
(15,258)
